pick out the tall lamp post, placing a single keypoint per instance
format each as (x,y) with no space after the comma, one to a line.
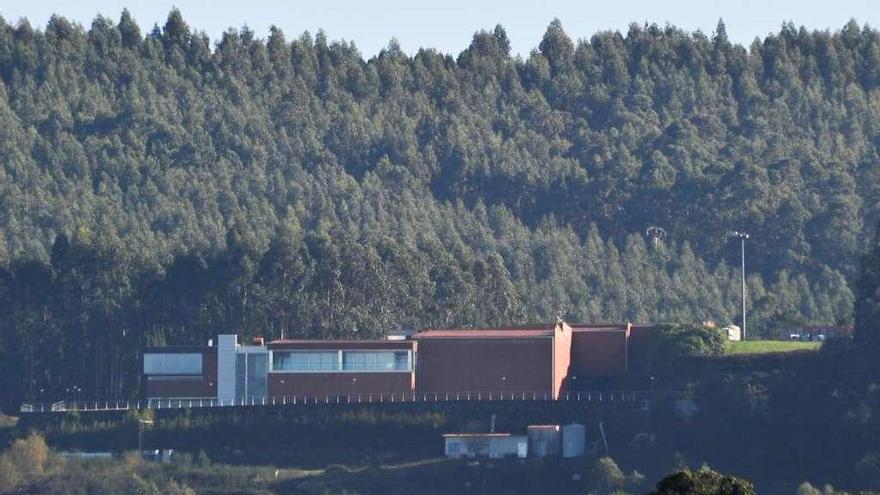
(141,423)
(742,236)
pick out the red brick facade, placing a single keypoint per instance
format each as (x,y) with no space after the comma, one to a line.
(598,351)
(502,365)
(344,383)
(516,360)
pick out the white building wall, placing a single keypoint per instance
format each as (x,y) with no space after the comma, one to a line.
(226,367)
(574,440)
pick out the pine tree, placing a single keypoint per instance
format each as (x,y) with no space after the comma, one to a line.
(867,297)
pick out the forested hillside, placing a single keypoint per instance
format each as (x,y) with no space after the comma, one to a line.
(156,187)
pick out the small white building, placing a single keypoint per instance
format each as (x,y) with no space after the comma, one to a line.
(493,445)
(574,439)
(544,440)
(734,332)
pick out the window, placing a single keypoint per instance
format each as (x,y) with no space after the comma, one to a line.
(328,361)
(250,374)
(455,447)
(173,364)
(375,361)
(305,361)
(401,361)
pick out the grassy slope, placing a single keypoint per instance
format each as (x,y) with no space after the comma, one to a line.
(435,476)
(765,346)
(8,421)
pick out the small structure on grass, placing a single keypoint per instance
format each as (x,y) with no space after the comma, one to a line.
(545,440)
(733,332)
(493,445)
(574,439)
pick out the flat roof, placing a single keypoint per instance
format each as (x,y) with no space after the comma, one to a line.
(446,435)
(531,331)
(340,344)
(617,328)
(325,341)
(177,349)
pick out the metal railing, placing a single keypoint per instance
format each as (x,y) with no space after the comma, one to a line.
(326,399)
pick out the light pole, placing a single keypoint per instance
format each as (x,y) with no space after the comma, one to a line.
(141,423)
(742,236)
(657,235)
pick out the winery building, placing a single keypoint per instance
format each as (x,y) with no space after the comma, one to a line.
(535,361)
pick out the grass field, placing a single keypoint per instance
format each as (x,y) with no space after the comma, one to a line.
(765,346)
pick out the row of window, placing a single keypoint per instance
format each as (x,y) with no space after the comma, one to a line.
(191,363)
(250,374)
(173,364)
(350,361)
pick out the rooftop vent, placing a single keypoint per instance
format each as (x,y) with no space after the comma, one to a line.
(400,334)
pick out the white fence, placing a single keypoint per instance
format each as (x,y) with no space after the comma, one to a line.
(303,400)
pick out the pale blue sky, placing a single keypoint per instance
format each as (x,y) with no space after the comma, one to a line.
(448,25)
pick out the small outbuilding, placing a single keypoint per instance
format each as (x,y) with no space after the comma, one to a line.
(493,445)
(574,439)
(544,440)
(733,332)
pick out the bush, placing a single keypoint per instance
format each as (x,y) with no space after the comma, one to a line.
(703,482)
(131,459)
(24,461)
(671,341)
(807,489)
(202,460)
(606,478)
(9,475)
(691,340)
(175,488)
(29,455)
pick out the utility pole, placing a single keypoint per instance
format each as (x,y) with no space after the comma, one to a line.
(656,234)
(141,423)
(743,236)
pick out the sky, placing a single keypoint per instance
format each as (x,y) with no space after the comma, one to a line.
(448,25)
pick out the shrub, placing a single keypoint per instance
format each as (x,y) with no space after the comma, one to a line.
(808,489)
(607,478)
(29,455)
(671,341)
(705,481)
(202,460)
(141,486)
(175,488)
(9,475)
(131,459)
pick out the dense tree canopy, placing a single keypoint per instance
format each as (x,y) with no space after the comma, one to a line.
(155,188)
(867,304)
(703,482)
